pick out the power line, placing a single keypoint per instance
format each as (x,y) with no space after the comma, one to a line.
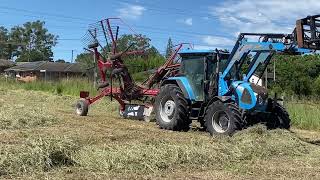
(87,20)
(148,28)
(45,13)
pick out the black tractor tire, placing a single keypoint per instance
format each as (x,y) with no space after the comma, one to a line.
(82,107)
(171,109)
(223,118)
(279,118)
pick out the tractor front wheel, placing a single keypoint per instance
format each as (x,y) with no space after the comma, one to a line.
(172,109)
(279,118)
(223,118)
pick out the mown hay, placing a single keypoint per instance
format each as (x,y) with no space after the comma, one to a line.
(37,155)
(252,144)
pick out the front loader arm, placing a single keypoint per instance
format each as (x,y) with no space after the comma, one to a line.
(263,52)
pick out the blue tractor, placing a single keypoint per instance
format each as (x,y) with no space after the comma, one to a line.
(213,86)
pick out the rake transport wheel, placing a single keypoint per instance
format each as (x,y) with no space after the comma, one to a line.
(82,107)
(171,109)
(223,118)
(279,118)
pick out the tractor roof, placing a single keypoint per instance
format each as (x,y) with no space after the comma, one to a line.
(199,51)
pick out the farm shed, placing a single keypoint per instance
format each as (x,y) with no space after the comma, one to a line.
(5,64)
(46,70)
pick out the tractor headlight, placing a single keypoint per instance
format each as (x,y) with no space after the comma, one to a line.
(260,93)
(260,100)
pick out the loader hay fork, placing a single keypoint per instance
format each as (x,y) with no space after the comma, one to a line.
(307,32)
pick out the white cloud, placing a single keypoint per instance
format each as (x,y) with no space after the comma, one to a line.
(188,21)
(130,11)
(272,16)
(217,41)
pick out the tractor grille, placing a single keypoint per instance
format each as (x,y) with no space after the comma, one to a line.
(246,97)
(261,91)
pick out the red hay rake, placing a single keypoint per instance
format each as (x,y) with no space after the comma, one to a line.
(112,69)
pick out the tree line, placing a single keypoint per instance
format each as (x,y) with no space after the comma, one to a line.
(297,75)
(29,42)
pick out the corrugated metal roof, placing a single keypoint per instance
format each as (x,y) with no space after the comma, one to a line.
(76,67)
(30,66)
(52,67)
(6,63)
(48,66)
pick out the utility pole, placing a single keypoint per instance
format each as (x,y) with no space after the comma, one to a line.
(72,56)
(29,51)
(274,71)
(266,78)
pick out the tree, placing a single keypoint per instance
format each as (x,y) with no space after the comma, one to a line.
(169,49)
(5,47)
(138,42)
(38,42)
(297,74)
(60,61)
(86,60)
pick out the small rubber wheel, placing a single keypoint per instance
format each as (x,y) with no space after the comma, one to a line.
(121,113)
(82,107)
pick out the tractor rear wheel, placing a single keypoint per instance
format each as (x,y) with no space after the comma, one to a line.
(171,109)
(223,118)
(279,118)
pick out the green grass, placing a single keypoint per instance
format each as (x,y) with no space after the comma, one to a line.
(304,114)
(71,86)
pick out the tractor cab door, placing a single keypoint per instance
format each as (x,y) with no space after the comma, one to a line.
(193,68)
(213,67)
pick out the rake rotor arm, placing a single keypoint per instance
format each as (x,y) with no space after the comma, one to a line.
(162,71)
(119,55)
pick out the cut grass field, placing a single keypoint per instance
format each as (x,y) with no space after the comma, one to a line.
(41,137)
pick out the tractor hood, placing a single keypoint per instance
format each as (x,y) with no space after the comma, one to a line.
(248,95)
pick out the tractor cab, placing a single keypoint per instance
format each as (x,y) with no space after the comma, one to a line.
(200,68)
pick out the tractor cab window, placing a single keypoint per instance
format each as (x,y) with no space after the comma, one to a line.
(192,67)
(223,65)
(212,63)
(212,87)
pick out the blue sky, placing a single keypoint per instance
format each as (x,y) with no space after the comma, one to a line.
(206,23)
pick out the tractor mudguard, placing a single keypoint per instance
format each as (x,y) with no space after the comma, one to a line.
(221,98)
(183,84)
(213,99)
